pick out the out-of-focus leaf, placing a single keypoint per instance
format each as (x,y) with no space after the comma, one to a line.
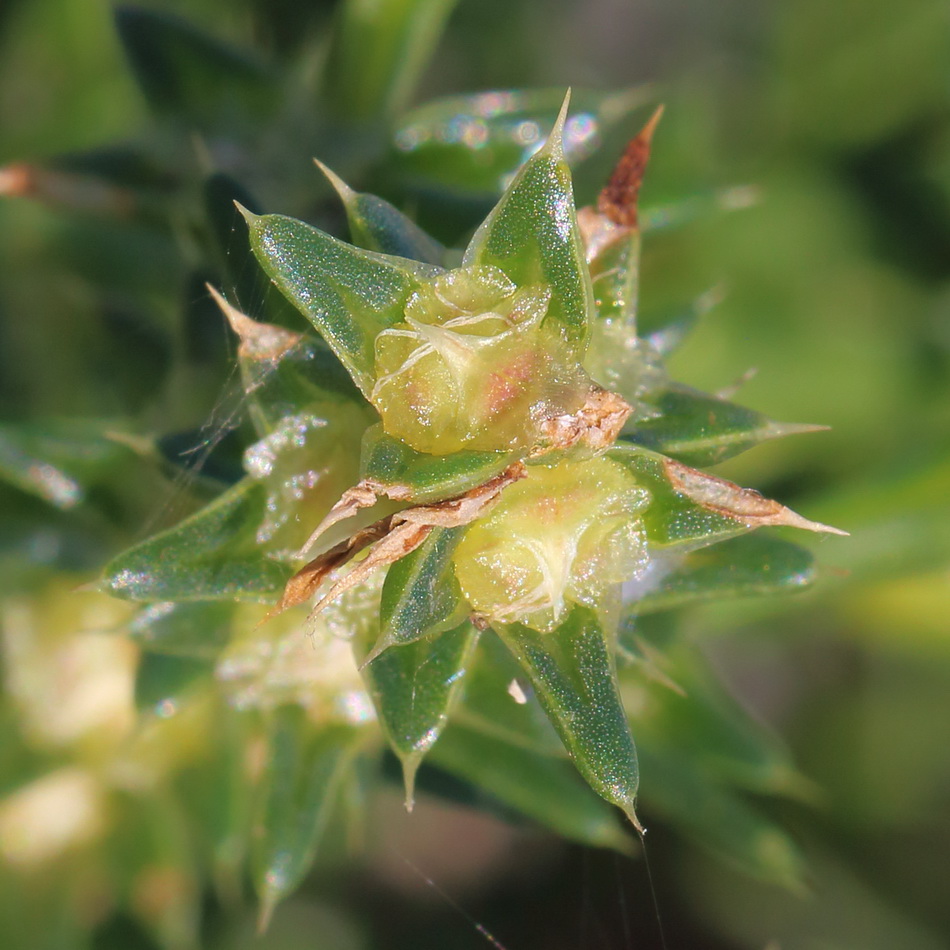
(687,710)
(414,687)
(470,145)
(348,294)
(427,478)
(378,50)
(213,555)
(189,630)
(161,680)
(377,225)
(718,820)
(303,779)
(746,566)
(572,672)
(420,594)
(680,213)
(189,75)
(57,461)
(532,235)
(700,429)
(668,330)
(544,788)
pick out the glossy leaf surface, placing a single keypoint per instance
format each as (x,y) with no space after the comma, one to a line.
(348,294)
(532,235)
(414,687)
(210,556)
(572,672)
(420,593)
(427,478)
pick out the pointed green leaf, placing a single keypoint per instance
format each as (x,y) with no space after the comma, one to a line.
(348,294)
(532,235)
(423,478)
(414,687)
(471,145)
(189,630)
(740,567)
(378,50)
(700,429)
(673,520)
(545,788)
(718,820)
(572,672)
(304,775)
(420,594)
(210,556)
(377,225)
(189,75)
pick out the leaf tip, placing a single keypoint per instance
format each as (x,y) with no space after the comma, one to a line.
(345,192)
(618,201)
(248,216)
(410,766)
(555,142)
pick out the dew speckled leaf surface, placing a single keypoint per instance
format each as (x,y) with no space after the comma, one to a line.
(414,687)
(426,478)
(211,555)
(420,593)
(572,672)
(304,776)
(700,429)
(348,294)
(532,236)
(544,788)
(752,565)
(161,681)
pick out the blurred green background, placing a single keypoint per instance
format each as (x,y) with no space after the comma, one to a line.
(836,290)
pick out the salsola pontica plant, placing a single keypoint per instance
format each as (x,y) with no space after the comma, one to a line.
(470,477)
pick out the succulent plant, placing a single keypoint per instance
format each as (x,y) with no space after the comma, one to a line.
(464,480)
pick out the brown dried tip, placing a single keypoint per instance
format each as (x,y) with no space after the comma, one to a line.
(259,341)
(618,200)
(743,504)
